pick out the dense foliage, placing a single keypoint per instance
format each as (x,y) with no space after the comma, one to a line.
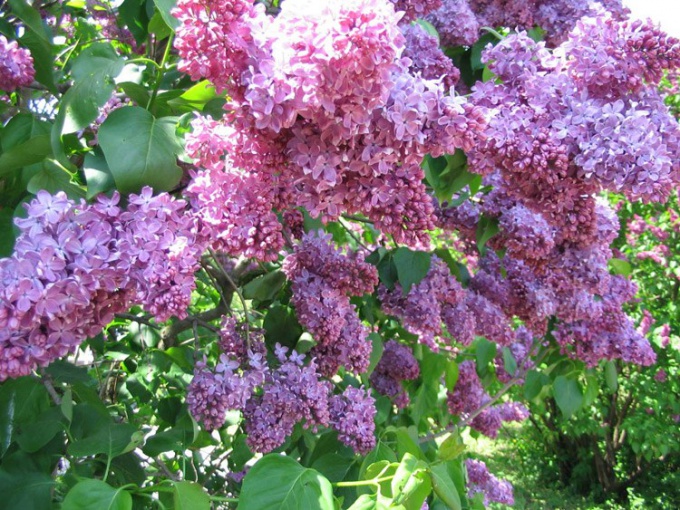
(292,254)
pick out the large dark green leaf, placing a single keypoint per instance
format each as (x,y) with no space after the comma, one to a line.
(190,496)
(141,150)
(33,150)
(25,490)
(96,495)
(265,287)
(568,395)
(282,326)
(164,7)
(112,440)
(53,177)
(282,483)
(412,266)
(444,487)
(6,237)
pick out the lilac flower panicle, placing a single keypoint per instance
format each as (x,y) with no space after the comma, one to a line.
(16,65)
(352,415)
(480,480)
(396,364)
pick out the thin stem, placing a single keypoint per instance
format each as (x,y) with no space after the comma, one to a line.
(137,318)
(353,235)
(362,483)
(226,500)
(238,293)
(161,73)
(50,388)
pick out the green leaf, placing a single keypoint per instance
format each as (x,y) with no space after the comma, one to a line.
(282,326)
(7,236)
(141,150)
(451,448)
(21,128)
(412,267)
(36,434)
(620,266)
(164,7)
(265,287)
(366,502)
(444,487)
(30,16)
(43,58)
(333,466)
(190,496)
(379,453)
(53,178)
(509,362)
(610,376)
(25,490)
(96,495)
(97,174)
(112,440)
(486,229)
(159,28)
(135,15)
(93,72)
(485,352)
(568,395)
(410,475)
(534,382)
(31,151)
(376,352)
(282,483)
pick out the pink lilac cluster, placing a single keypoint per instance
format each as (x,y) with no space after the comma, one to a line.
(481,481)
(16,65)
(106,18)
(273,399)
(396,364)
(235,213)
(329,89)
(351,414)
(468,396)
(460,22)
(76,265)
(323,279)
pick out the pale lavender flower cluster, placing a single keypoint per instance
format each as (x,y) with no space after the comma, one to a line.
(396,364)
(331,87)
(16,65)
(414,9)
(468,396)
(76,265)
(426,56)
(323,279)
(459,22)
(274,399)
(480,480)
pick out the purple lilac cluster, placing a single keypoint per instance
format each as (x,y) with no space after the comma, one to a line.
(561,133)
(481,481)
(323,279)
(16,65)
(396,364)
(329,89)
(426,56)
(414,9)
(352,416)
(459,22)
(274,398)
(468,396)
(76,265)
(439,298)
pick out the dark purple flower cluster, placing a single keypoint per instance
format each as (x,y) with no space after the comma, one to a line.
(352,416)
(16,65)
(468,396)
(396,364)
(274,399)
(323,279)
(76,265)
(329,90)
(480,480)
